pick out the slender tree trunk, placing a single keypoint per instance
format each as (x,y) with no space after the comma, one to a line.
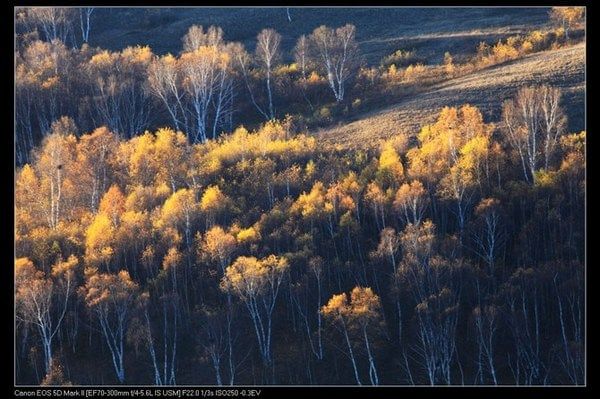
(351,352)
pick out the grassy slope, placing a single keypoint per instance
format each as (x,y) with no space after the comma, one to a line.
(430,31)
(486,89)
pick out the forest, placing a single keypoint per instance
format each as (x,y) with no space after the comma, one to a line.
(178,221)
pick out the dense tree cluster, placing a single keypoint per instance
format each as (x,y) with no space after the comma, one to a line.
(199,91)
(266,257)
(213,85)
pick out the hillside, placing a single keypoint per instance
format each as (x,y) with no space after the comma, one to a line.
(429,31)
(486,89)
(220,216)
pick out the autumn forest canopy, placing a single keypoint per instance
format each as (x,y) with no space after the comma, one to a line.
(179,221)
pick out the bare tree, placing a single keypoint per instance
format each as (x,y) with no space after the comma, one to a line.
(207,79)
(119,92)
(196,37)
(486,324)
(301,54)
(43,300)
(490,236)
(302,57)
(533,123)
(243,62)
(306,304)
(56,23)
(553,120)
(336,51)
(85,14)
(569,300)
(164,82)
(431,281)
(43,76)
(267,54)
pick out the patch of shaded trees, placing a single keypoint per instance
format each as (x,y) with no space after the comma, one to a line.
(200,91)
(267,257)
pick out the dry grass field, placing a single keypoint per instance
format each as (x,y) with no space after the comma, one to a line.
(486,89)
(428,31)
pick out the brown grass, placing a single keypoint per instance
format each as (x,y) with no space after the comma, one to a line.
(486,89)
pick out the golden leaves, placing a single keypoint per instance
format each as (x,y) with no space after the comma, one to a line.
(65,267)
(102,59)
(390,161)
(99,234)
(452,150)
(248,235)
(249,276)
(107,289)
(311,205)
(172,259)
(409,194)
(213,200)
(113,203)
(218,244)
(24,270)
(137,54)
(177,209)
(376,196)
(271,141)
(364,305)
(337,306)
(486,205)
(569,15)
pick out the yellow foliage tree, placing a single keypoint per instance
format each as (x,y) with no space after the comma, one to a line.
(313,205)
(112,298)
(219,245)
(360,311)
(100,241)
(567,17)
(213,202)
(256,282)
(410,201)
(179,211)
(171,151)
(113,204)
(390,169)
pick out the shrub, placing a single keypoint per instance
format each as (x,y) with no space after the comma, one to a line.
(448,63)
(400,58)
(505,51)
(413,72)
(325,113)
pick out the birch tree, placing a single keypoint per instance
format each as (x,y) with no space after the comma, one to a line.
(359,311)
(533,122)
(256,282)
(55,23)
(336,52)
(164,82)
(42,300)
(567,17)
(85,14)
(268,53)
(111,298)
